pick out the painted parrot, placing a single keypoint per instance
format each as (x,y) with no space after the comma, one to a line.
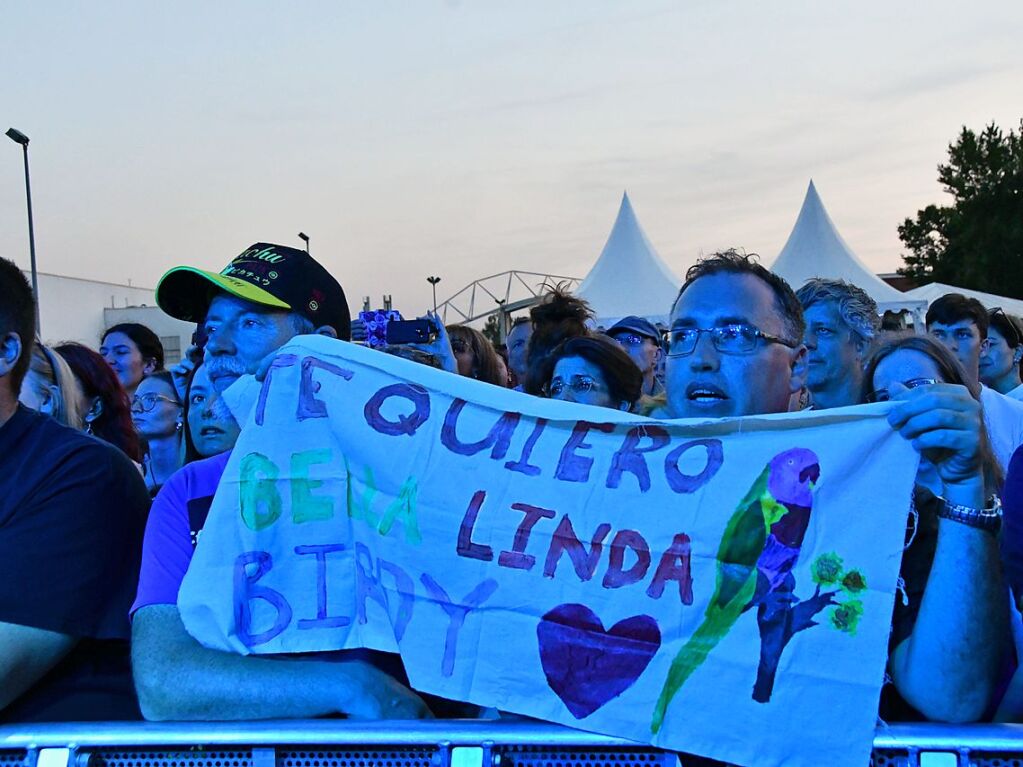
(780,613)
(757,551)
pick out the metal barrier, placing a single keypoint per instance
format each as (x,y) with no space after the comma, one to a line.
(448,743)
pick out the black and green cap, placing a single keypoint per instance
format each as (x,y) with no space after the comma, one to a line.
(274,276)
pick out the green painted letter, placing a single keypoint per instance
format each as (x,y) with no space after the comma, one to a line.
(306,507)
(403,507)
(260,501)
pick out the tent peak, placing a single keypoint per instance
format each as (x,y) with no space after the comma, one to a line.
(816,249)
(813,197)
(628,277)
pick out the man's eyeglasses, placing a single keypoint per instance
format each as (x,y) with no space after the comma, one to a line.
(737,338)
(882,395)
(147,402)
(579,384)
(630,339)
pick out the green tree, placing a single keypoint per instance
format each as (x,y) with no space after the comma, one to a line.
(492,329)
(977,241)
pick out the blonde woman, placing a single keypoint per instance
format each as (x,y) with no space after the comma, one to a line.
(51,388)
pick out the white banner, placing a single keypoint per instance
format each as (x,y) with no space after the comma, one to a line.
(722,587)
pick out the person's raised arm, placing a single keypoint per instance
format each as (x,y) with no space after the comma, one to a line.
(181,372)
(947,668)
(177,678)
(440,347)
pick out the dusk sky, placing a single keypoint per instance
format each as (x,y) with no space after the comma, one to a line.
(463,139)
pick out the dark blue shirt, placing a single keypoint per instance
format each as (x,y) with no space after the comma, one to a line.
(72,512)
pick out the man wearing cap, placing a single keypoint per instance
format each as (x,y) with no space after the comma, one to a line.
(265,297)
(640,339)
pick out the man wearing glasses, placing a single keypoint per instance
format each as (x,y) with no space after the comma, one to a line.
(735,344)
(961,324)
(735,349)
(641,341)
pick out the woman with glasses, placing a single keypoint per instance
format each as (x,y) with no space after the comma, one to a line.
(50,387)
(593,370)
(157,414)
(1000,357)
(557,317)
(955,514)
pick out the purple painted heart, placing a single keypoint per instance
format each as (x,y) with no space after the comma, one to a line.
(586,665)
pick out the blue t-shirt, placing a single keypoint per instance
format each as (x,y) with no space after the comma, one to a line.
(1012,524)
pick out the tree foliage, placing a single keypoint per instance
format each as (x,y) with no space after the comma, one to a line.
(977,241)
(492,329)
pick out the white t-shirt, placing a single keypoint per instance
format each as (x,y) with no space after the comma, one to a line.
(1016,393)
(1003,417)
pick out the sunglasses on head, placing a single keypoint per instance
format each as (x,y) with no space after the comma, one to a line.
(1015,338)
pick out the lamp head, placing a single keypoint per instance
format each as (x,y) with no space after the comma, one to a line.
(16,135)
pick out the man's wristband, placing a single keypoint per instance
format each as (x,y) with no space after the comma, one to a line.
(989,519)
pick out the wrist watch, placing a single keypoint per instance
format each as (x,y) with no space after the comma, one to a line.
(989,519)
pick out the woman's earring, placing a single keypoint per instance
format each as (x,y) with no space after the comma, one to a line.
(177,426)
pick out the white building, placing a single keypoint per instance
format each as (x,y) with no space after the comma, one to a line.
(75,309)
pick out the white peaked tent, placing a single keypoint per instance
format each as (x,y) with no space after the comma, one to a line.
(629,277)
(816,249)
(934,290)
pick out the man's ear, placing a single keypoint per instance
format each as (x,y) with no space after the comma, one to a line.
(862,350)
(326,330)
(1017,355)
(10,353)
(799,368)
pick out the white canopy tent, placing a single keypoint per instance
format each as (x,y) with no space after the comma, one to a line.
(629,277)
(816,249)
(935,290)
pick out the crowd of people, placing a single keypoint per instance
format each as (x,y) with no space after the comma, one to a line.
(110,464)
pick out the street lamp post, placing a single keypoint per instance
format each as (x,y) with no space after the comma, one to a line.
(433,281)
(20,138)
(305,238)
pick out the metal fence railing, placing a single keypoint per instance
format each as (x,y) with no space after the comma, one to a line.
(448,743)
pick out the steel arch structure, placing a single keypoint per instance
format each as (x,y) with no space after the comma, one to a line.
(500,293)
